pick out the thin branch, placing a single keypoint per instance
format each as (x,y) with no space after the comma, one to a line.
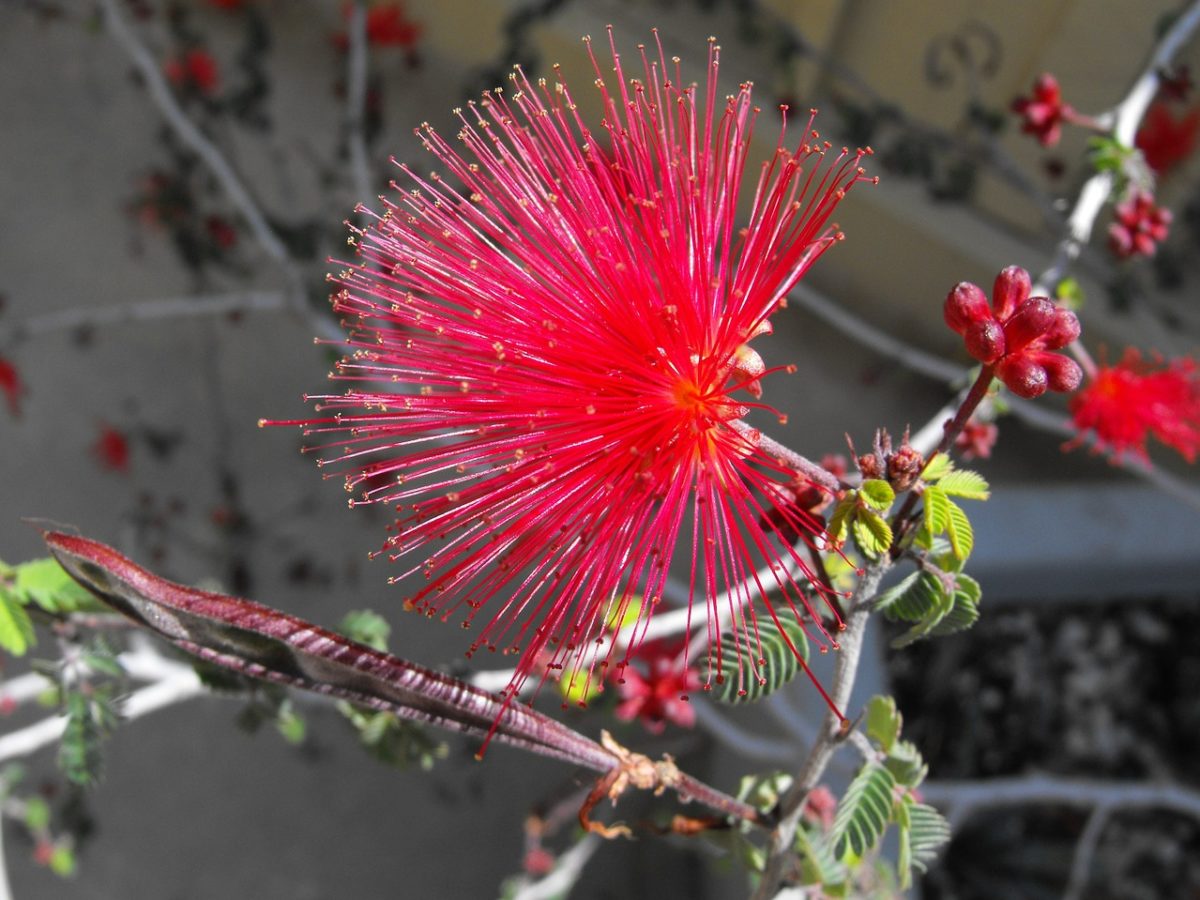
(746,744)
(141,311)
(566,872)
(356,100)
(191,135)
(832,735)
(943,370)
(966,798)
(1124,118)
(1085,852)
(171,683)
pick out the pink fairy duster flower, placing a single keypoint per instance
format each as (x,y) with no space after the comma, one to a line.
(1043,112)
(1124,404)
(1016,334)
(655,688)
(11,386)
(1139,226)
(548,368)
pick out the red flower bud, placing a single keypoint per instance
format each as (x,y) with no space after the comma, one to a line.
(1034,318)
(985,341)
(1063,372)
(965,305)
(1065,329)
(1024,376)
(1011,289)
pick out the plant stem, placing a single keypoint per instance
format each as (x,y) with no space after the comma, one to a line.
(832,734)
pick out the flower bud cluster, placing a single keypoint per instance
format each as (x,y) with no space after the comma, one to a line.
(1016,334)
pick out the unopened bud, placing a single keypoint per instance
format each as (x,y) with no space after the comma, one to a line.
(965,305)
(1011,289)
(985,341)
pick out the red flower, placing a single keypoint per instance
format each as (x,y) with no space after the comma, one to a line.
(11,386)
(1126,403)
(1165,141)
(548,369)
(1044,112)
(1140,226)
(220,231)
(387,26)
(657,690)
(196,70)
(1017,334)
(112,449)
(820,807)
(1175,84)
(977,439)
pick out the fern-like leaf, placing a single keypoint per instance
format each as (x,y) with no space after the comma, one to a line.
(776,667)
(864,813)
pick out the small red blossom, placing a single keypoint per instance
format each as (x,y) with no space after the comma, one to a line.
(1125,404)
(1017,334)
(11,386)
(976,439)
(1044,111)
(656,686)
(547,374)
(112,449)
(220,232)
(1165,141)
(1140,226)
(195,70)
(1175,84)
(538,861)
(387,26)
(820,807)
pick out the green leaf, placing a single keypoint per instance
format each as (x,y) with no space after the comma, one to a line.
(62,861)
(1069,293)
(906,764)
(928,829)
(877,494)
(883,721)
(37,814)
(89,719)
(16,628)
(965,611)
(936,509)
(912,599)
(958,529)
(366,627)
(944,603)
(44,583)
(937,468)
(839,521)
(872,534)
(864,813)
(818,865)
(965,484)
(291,724)
(777,665)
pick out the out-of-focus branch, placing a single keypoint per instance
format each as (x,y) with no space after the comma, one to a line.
(356,100)
(141,311)
(170,683)
(1124,119)
(965,798)
(564,875)
(191,135)
(832,734)
(943,370)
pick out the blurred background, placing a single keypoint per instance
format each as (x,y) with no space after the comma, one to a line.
(174,175)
